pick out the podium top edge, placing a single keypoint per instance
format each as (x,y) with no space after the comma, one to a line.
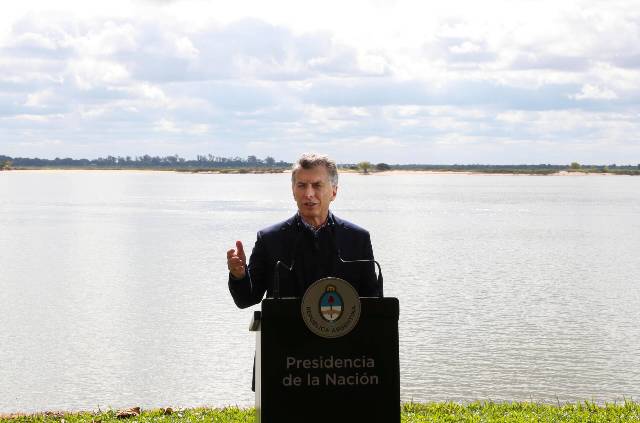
(363,299)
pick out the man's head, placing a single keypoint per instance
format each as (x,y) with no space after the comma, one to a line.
(314,182)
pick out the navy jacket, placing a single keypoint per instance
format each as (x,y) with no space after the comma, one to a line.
(315,256)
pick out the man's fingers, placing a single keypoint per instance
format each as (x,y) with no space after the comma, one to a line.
(235,264)
(236,261)
(240,249)
(236,267)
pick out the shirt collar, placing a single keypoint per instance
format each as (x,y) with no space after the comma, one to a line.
(329,222)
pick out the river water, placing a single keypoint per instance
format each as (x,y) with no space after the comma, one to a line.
(113,288)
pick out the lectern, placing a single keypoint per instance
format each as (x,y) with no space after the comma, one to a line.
(304,377)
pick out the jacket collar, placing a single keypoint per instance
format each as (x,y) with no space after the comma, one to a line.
(296,220)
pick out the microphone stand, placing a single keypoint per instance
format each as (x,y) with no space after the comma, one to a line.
(276,276)
(280,263)
(380,279)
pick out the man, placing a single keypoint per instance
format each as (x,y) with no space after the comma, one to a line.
(312,242)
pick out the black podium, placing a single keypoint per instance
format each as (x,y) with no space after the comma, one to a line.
(302,377)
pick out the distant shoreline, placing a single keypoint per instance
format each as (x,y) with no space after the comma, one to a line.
(133,169)
(244,171)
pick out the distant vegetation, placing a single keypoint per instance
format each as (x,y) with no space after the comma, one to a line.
(201,163)
(208,163)
(538,169)
(364,166)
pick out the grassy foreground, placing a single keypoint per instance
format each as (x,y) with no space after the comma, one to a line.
(411,412)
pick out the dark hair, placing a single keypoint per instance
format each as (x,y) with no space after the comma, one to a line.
(311,160)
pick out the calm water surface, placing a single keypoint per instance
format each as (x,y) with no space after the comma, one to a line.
(113,285)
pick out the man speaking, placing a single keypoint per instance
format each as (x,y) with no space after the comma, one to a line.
(311,245)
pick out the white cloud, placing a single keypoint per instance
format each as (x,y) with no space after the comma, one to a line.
(39,99)
(376,142)
(90,73)
(373,64)
(170,126)
(150,92)
(33,40)
(185,48)
(465,47)
(428,76)
(593,92)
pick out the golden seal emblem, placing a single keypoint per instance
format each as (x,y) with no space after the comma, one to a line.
(331,307)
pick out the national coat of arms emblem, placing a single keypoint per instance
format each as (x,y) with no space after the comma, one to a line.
(331,304)
(330,307)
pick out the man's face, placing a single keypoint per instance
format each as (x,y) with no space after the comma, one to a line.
(313,193)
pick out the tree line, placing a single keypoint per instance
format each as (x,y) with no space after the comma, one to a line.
(208,161)
(541,169)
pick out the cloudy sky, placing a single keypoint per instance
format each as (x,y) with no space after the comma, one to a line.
(501,82)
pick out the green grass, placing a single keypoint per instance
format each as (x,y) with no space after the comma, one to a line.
(518,412)
(218,415)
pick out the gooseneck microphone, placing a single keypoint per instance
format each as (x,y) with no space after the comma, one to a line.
(380,279)
(342,260)
(280,263)
(276,275)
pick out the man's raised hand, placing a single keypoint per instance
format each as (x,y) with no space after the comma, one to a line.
(236,261)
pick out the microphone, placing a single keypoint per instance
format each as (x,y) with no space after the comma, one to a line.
(380,279)
(280,263)
(276,276)
(335,246)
